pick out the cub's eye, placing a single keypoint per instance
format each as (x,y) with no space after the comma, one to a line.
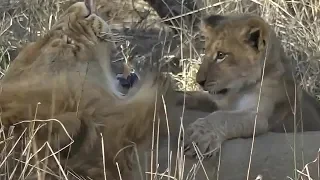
(221,56)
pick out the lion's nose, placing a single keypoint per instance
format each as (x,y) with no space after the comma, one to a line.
(201,83)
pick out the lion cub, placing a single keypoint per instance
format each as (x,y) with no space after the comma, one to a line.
(248,74)
(64,85)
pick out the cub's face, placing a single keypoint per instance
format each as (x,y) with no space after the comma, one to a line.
(234,50)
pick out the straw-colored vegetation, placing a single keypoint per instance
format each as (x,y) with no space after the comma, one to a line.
(146,38)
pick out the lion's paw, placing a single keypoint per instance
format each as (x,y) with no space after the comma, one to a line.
(202,139)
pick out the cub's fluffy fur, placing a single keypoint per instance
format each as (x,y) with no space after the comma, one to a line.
(244,67)
(65,75)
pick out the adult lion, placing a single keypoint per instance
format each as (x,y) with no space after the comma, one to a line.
(248,74)
(65,77)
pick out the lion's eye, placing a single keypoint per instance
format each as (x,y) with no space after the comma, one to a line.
(221,56)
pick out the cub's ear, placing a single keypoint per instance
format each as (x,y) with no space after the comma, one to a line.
(210,22)
(91,5)
(256,32)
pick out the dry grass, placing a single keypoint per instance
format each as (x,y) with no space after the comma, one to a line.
(146,38)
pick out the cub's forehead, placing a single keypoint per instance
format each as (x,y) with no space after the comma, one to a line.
(234,19)
(227,27)
(223,42)
(232,23)
(223,32)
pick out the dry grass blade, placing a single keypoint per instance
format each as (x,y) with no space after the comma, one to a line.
(142,37)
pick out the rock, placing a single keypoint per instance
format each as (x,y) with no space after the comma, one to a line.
(274,156)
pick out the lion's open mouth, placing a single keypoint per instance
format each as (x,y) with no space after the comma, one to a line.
(221,92)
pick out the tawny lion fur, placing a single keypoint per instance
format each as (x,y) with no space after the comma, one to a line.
(241,53)
(65,75)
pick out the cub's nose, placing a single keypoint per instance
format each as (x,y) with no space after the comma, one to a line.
(201,83)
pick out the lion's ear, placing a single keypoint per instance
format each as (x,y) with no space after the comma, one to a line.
(255,33)
(254,38)
(209,23)
(91,5)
